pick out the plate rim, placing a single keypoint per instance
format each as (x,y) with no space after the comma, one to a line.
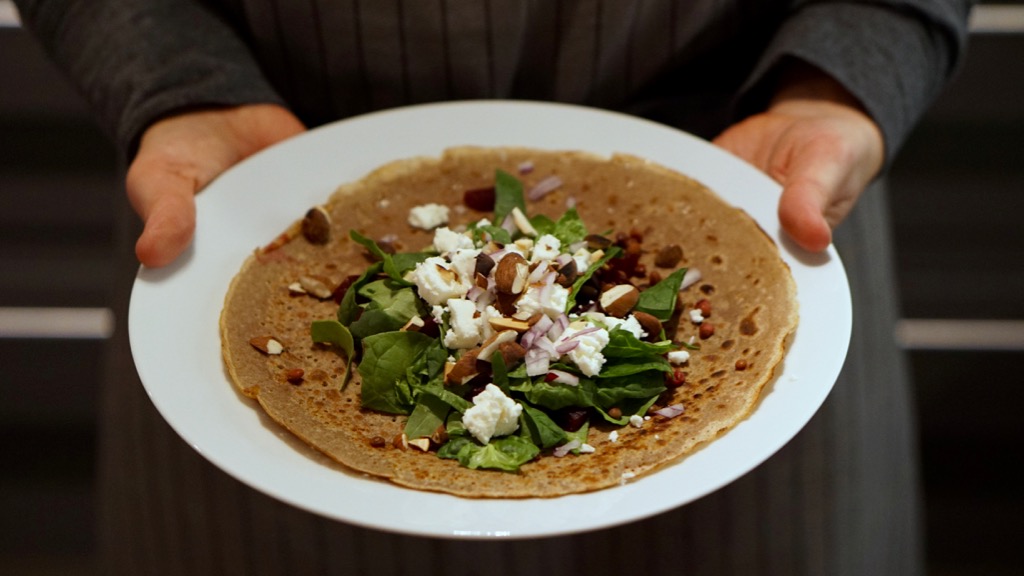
(147,278)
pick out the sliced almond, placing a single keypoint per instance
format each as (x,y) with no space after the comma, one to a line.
(317,286)
(522,222)
(440,435)
(618,300)
(491,344)
(415,324)
(464,368)
(420,443)
(400,441)
(267,345)
(503,323)
(511,353)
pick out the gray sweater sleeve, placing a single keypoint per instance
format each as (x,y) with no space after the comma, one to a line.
(894,56)
(133,65)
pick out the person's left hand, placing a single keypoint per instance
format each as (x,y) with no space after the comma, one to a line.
(819,144)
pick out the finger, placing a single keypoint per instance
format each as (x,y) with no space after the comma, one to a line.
(164,198)
(801,213)
(812,190)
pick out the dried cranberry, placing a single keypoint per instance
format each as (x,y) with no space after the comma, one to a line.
(676,378)
(479,199)
(339,293)
(574,418)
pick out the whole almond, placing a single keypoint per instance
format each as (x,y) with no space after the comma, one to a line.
(267,345)
(510,274)
(668,256)
(464,368)
(650,324)
(316,226)
(618,300)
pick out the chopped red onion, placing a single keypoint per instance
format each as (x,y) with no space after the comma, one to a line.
(566,346)
(542,325)
(691,277)
(545,346)
(525,167)
(670,411)
(567,447)
(545,295)
(544,187)
(527,340)
(474,293)
(537,274)
(537,362)
(563,377)
(509,224)
(585,331)
(558,327)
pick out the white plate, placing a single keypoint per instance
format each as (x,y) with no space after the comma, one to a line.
(174,314)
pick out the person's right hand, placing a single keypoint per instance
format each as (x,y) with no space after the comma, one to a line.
(179,155)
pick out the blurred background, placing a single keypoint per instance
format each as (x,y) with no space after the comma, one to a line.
(957,194)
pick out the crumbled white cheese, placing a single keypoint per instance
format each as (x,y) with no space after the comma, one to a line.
(523,246)
(532,301)
(437,313)
(582,259)
(447,240)
(545,248)
(629,324)
(464,264)
(587,354)
(436,281)
(695,316)
(679,356)
(636,420)
(613,436)
(463,329)
(428,216)
(492,414)
(587,449)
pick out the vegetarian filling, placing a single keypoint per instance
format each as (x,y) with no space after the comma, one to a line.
(510,338)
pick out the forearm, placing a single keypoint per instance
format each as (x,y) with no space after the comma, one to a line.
(137,61)
(893,60)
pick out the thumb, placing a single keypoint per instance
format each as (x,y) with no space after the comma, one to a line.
(179,155)
(801,212)
(163,194)
(814,196)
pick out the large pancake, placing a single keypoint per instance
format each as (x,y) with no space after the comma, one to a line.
(750,287)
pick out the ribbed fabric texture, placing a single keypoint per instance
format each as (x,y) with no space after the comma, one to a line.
(840,499)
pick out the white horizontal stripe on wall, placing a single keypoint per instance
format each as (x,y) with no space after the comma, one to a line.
(56,323)
(974,335)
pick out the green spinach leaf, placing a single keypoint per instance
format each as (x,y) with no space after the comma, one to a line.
(541,429)
(660,300)
(386,360)
(430,413)
(508,194)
